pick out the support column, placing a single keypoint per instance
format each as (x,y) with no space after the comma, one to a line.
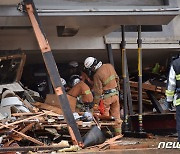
(124,74)
(139,42)
(110,54)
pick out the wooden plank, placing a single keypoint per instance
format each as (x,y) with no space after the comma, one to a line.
(20,121)
(24,114)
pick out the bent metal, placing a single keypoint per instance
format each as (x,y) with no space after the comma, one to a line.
(169,145)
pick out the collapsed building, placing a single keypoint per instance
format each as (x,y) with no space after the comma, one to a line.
(89,28)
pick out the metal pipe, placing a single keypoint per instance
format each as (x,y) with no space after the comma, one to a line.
(139,42)
(129,96)
(124,74)
(110,54)
(106,10)
(31,148)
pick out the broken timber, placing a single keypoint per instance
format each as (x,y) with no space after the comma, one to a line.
(24,136)
(53,71)
(148,87)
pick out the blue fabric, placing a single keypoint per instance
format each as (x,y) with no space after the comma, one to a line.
(178,121)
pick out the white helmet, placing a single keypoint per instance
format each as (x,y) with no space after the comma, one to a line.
(63,81)
(73,64)
(89,62)
(74,79)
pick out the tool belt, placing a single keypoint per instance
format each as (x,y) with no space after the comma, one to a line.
(84,106)
(110,92)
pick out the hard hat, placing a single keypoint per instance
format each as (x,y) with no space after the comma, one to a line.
(73,64)
(74,79)
(88,63)
(63,81)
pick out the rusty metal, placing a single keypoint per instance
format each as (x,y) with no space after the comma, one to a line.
(52,70)
(158,123)
(155,102)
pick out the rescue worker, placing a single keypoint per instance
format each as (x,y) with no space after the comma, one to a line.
(82,90)
(73,68)
(64,83)
(106,86)
(86,77)
(173,91)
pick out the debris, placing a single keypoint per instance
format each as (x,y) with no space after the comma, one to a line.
(5,112)
(63,143)
(109,142)
(24,136)
(20,121)
(73,148)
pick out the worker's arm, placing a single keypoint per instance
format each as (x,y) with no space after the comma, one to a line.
(97,88)
(171,85)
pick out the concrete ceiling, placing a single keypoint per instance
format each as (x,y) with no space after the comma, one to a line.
(9,2)
(93,24)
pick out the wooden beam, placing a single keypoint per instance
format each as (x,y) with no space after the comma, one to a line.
(148,87)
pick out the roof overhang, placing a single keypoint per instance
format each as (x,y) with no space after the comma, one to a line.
(91,13)
(92,19)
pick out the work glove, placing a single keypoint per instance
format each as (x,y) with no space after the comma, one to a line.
(170,106)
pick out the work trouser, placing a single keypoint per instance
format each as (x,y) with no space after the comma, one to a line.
(178,121)
(112,108)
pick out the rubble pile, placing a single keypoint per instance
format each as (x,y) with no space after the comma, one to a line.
(32,124)
(28,124)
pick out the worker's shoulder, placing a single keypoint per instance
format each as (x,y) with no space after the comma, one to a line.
(176,61)
(106,66)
